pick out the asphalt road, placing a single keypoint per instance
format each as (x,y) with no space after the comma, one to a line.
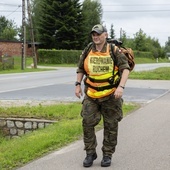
(58,85)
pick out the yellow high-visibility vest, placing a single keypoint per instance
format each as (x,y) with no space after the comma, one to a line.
(99,67)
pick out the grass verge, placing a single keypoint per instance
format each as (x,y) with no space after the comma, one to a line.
(17,67)
(150,60)
(19,151)
(157,74)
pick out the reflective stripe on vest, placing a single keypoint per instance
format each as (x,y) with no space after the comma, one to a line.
(99,68)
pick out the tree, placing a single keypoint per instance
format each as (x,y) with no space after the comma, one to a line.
(92,14)
(140,41)
(36,9)
(146,43)
(59,24)
(127,42)
(123,37)
(8,29)
(112,32)
(155,48)
(167,46)
(65,24)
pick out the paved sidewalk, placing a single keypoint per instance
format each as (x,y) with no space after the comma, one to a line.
(143,142)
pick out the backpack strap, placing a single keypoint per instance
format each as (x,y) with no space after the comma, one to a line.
(84,54)
(112,49)
(87,49)
(114,58)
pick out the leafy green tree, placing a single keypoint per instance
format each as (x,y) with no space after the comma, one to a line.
(92,14)
(140,41)
(3,23)
(154,47)
(167,46)
(8,29)
(146,43)
(9,34)
(127,42)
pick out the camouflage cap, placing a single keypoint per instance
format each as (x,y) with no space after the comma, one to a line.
(98,29)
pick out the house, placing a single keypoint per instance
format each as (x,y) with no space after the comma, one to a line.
(13,48)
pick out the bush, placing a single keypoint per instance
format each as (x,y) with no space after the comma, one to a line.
(72,56)
(140,54)
(6,62)
(58,56)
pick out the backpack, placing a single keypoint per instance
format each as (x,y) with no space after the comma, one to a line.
(128,52)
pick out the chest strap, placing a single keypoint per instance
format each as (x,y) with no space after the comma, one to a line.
(101,88)
(110,80)
(98,81)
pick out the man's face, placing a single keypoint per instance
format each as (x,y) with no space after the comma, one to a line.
(99,38)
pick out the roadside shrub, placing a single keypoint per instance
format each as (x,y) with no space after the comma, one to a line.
(58,56)
(72,56)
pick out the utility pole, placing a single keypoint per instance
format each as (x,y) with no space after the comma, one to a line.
(23,36)
(32,35)
(120,34)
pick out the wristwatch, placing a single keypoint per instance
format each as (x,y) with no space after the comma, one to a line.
(123,87)
(77,83)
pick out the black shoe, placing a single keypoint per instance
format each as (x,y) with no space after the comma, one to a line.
(106,161)
(89,160)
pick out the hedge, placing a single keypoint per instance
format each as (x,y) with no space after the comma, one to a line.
(71,56)
(58,56)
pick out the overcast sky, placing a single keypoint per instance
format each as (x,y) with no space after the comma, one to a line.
(152,16)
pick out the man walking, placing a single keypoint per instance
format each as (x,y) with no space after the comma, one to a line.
(104,84)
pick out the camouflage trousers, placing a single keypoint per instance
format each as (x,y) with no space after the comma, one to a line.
(92,111)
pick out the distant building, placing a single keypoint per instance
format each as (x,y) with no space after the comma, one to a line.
(168,55)
(14,48)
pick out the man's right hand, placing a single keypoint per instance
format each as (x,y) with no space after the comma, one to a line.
(78,91)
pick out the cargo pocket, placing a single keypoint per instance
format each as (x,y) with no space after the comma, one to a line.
(119,110)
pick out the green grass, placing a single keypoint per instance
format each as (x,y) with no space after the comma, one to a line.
(18,68)
(18,151)
(157,74)
(150,60)
(52,112)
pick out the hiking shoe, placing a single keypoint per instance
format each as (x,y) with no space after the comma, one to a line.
(106,161)
(88,161)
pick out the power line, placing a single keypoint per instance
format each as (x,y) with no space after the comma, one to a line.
(137,5)
(8,4)
(9,11)
(141,11)
(14,11)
